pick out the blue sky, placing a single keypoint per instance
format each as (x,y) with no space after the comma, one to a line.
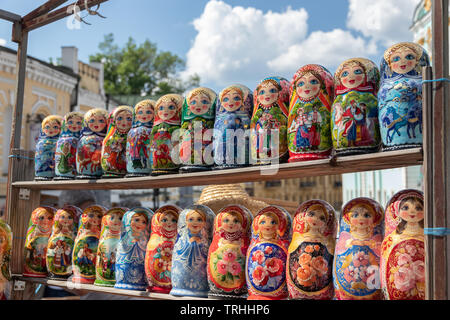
(243,44)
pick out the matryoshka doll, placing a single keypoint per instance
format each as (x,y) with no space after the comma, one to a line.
(269,120)
(402,266)
(354,118)
(138,152)
(107,246)
(167,120)
(90,144)
(356,274)
(197,122)
(400,96)
(227,253)
(267,255)
(5,256)
(130,256)
(232,124)
(158,257)
(86,244)
(310,254)
(309,133)
(114,162)
(66,147)
(44,160)
(61,242)
(190,253)
(38,234)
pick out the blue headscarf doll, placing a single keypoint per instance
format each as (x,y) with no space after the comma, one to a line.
(44,160)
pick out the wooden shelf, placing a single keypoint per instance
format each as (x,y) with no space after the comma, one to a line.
(93,288)
(338,165)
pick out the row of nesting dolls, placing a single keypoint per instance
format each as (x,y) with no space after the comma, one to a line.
(194,252)
(302,120)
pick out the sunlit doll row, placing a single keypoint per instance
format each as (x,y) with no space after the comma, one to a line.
(305,119)
(193,252)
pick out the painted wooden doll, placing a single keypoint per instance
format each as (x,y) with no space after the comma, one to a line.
(107,246)
(61,242)
(44,160)
(197,122)
(66,147)
(138,153)
(130,257)
(232,124)
(158,257)
(227,253)
(190,253)
(86,244)
(36,242)
(310,254)
(309,133)
(90,144)
(269,120)
(354,119)
(114,163)
(267,254)
(402,268)
(5,256)
(400,96)
(356,274)
(167,120)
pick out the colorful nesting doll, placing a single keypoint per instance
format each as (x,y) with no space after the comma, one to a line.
(158,257)
(130,256)
(86,244)
(400,96)
(402,266)
(268,137)
(232,124)
(227,253)
(5,256)
(44,159)
(114,162)
(167,120)
(138,152)
(90,144)
(354,119)
(61,242)
(66,147)
(309,132)
(310,254)
(267,255)
(356,274)
(190,253)
(197,122)
(36,242)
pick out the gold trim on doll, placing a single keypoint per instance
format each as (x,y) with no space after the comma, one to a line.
(417,49)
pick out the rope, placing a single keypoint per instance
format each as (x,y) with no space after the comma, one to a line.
(19,157)
(436,80)
(438,232)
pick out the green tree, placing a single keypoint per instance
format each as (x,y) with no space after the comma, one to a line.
(140,69)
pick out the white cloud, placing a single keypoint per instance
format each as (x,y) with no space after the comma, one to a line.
(2,42)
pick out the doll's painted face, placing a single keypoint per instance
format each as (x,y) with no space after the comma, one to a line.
(231,100)
(52,128)
(361,217)
(74,124)
(167,110)
(65,219)
(403,60)
(115,222)
(199,104)
(95,219)
(97,123)
(138,223)
(45,221)
(411,210)
(352,75)
(315,217)
(145,113)
(231,222)
(268,225)
(308,86)
(267,94)
(195,221)
(124,120)
(168,221)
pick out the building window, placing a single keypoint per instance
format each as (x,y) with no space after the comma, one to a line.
(307,184)
(271,184)
(338,184)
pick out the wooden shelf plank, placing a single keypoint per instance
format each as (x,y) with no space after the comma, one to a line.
(338,165)
(93,288)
